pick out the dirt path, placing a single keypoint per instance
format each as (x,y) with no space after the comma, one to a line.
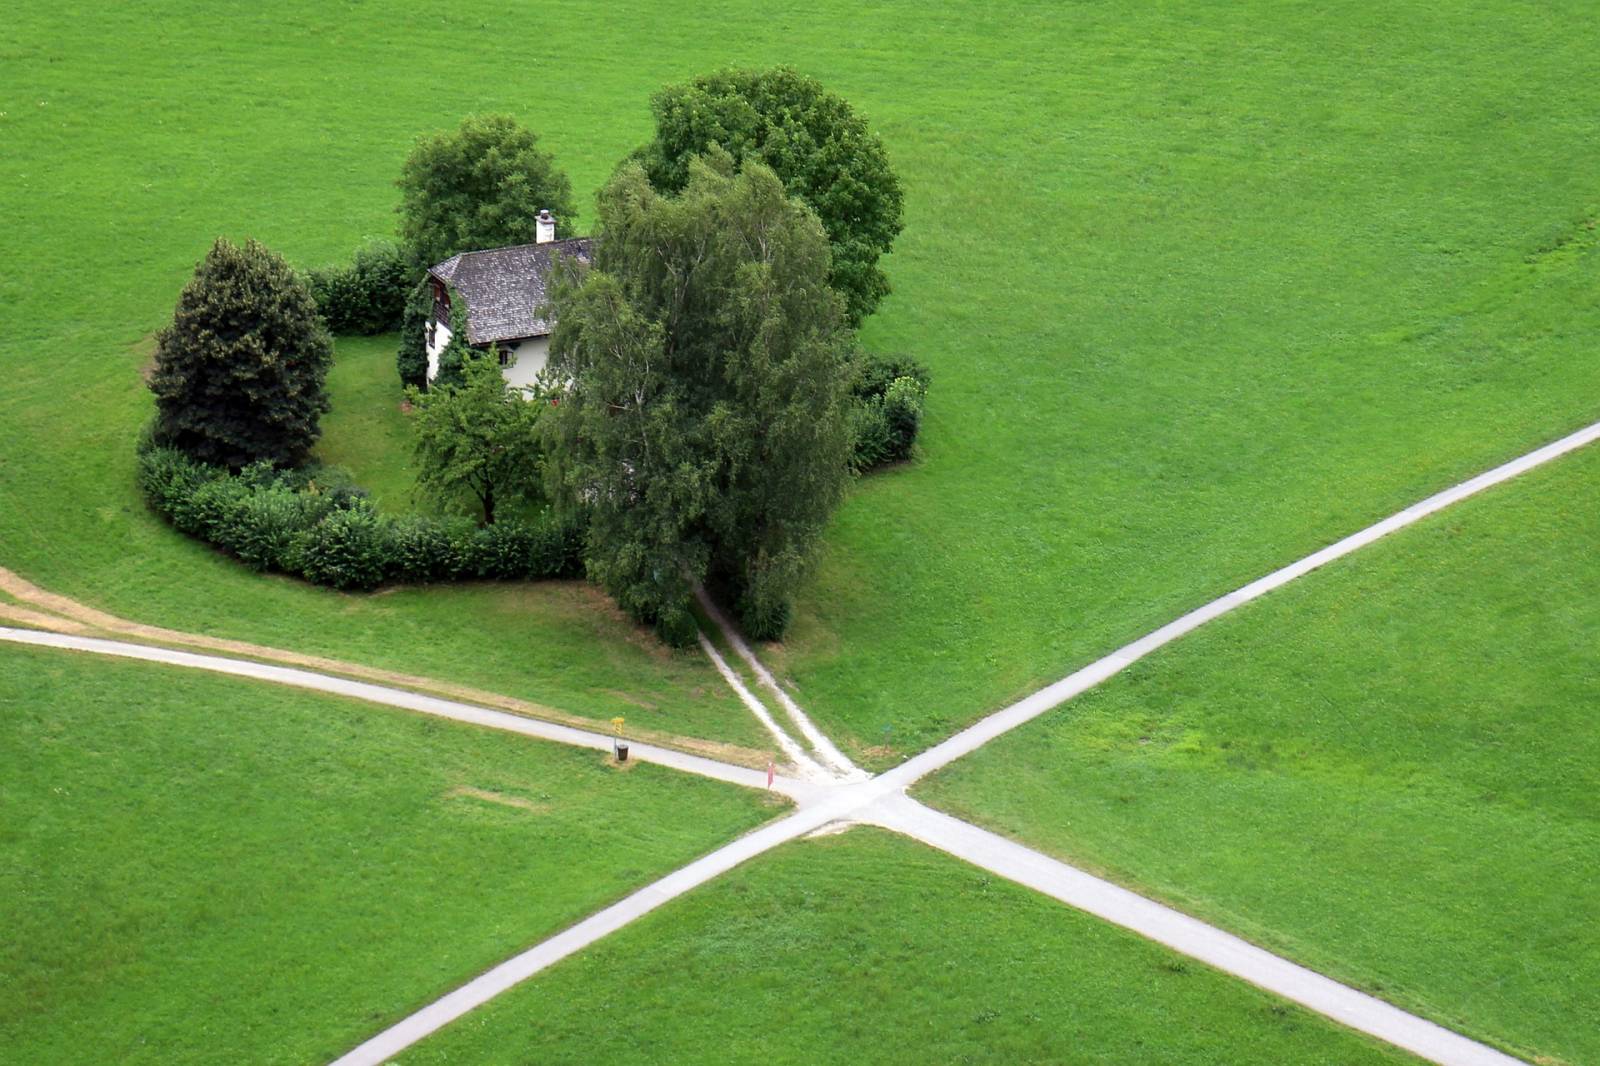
(37,608)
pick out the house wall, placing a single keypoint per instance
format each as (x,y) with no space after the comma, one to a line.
(441,337)
(528,358)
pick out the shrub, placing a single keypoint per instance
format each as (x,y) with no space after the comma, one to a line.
(366,296)
(424,549)
(889,394)
(168,478)
(312,522)
(902,412)
(269,522)
(871,430)
(349,549)
(875,373)
(211,511)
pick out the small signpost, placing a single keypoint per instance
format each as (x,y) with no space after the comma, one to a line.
(619,747)
(769,775)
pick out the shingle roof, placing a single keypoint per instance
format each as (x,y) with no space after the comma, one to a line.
(504,287)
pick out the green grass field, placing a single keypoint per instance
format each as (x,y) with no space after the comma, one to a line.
(1386,770)
(198,869)
(862,947)
(1202,288)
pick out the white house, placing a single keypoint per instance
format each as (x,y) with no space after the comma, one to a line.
(505,292)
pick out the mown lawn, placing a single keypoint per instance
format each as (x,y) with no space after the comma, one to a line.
(1389,769)
(199,869)
(868,947)
(366,432)
(1202,286)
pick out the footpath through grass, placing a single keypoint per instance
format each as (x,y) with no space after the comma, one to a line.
(1389,770)
(199,869)
(868,947)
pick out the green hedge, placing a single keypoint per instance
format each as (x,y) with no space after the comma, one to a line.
(313,524)
(366,296)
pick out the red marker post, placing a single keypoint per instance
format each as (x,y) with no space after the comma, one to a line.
(769,774)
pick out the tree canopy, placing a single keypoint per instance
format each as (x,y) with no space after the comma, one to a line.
(480,186)
(812,139)
(704,429)
(477,440)
(239,373)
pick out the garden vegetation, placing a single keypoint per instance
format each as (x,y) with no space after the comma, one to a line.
(705,430)
(239,373)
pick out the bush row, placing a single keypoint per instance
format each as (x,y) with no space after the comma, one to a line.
(889,393)
(366,296)
(313,524)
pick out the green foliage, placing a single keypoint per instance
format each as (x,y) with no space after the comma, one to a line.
(812,139)
(889,393)
(457,353)
(705,430)
(366,296)
(313,523)
(875,373)
(478,439)
(239,373)
(348,549)
(411,361)
(479,186)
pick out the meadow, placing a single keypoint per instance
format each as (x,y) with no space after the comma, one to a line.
(199,869)
(934,955)
(1385,770)
(1201,288)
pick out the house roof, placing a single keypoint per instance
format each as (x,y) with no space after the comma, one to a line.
(505,287)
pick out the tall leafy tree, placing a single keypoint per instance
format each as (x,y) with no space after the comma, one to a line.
(812,139)
(239,373)
(479,186)
(477,441)
(704,429)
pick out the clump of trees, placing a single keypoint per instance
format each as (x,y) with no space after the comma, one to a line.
(708,404)
(478,440)
(239,373)
(704,432)
(812,139)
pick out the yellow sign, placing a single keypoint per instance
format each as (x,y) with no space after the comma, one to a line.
(616,725)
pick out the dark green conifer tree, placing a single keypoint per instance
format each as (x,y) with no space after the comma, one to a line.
(239,373)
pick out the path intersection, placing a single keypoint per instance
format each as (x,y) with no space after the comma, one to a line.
(828,789)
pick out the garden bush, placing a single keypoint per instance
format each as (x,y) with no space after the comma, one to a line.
(313,523)
(348,549)
(366,296)
(889,393)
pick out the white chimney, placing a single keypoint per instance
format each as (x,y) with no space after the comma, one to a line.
(547,227)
